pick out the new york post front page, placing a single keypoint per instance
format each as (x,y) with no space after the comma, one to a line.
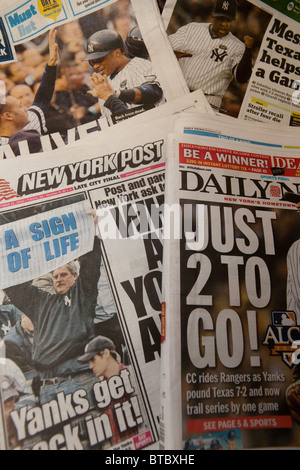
(80,297)
(81,263)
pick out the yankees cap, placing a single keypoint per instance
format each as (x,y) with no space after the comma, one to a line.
(225,8)
(102,43)
(95,346)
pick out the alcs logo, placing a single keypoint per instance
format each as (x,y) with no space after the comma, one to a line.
(283,337)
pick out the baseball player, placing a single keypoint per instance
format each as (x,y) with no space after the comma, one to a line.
(293,265)
(293,286)
(210,56)
(102,89)
(134,44)
(132,80)
(293,303)
(15,117)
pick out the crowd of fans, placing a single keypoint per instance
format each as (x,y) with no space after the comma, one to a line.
(71,104)
(20,374)
(80,307)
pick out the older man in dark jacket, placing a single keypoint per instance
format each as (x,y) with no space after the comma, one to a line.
(63,324)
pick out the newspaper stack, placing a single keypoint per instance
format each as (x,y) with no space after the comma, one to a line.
(148,270)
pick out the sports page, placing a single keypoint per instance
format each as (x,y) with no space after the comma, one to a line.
(48,63)
(80,299)
(229,280)
(252,70)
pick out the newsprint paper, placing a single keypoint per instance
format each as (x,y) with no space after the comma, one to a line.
(230,332)
(248,68)
(81,268)
(48,62)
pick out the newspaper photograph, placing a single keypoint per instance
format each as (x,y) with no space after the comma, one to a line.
(244,55)
(78,67)
(81,291)
(67,380)
(230,290)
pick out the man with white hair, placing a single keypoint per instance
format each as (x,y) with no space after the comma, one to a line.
(63,324)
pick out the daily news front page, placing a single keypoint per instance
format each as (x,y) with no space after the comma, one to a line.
(81,268)
(47,63)
(230,333)
(251,68)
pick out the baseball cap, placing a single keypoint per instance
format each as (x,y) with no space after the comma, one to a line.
(225,8)
(95,346)
(102,43)
(8,388)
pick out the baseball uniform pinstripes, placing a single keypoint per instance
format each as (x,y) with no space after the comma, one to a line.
(137,72)
(211,67)
(4,140)
(293,279)
(37,120)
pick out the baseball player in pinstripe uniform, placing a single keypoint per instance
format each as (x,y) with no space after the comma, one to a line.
(210,56)
(293,286)
(293,265)
(14,116)
(133,81)
(293,304)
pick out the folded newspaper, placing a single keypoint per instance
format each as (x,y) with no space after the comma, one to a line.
(81,268)
(79,67)
(84,233)
(243,55)
(230,337)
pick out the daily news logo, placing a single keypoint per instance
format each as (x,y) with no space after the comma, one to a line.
(283,337)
